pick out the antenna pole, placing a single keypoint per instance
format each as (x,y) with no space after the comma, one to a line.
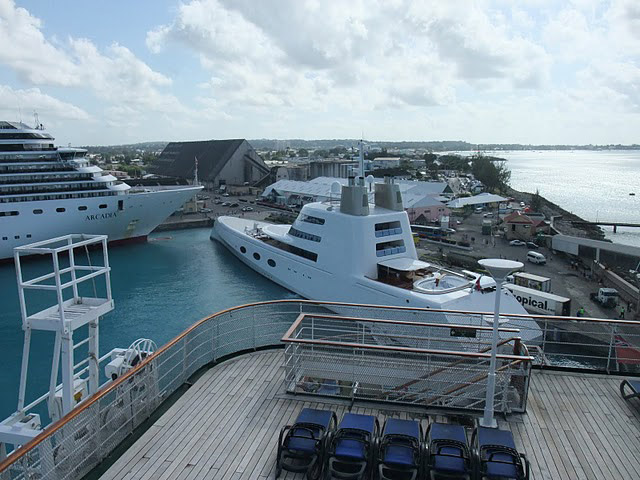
(195,180)
(361,158)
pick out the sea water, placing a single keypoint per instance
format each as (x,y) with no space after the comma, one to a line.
(595,185)
(160,288)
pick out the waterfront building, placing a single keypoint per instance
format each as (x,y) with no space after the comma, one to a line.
(220,162)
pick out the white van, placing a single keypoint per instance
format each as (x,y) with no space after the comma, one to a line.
(535,257)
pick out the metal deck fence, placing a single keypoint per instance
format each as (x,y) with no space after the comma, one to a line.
(73,446)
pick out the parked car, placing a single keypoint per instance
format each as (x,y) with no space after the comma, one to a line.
(205,210)
(218,202)
(517,243)
(225,194)
(532,245)
(488,215)
(234,205)
(247,209)
(226,204)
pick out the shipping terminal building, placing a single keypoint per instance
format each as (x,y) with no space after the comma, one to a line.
(219,162)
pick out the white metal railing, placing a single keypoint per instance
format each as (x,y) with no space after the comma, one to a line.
(425,364)
(73,446)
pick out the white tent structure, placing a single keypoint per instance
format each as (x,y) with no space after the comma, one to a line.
(481,199)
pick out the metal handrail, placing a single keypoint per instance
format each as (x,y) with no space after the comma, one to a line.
(121,381)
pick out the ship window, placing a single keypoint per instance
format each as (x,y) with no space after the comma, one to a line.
(271,262)
(301,252)
(82,207)
(11,213)
(5,238)
(390,248)
(37,211)
(60,209)
(17,237)
(388,228)
(256,255)
(120,204)
(304,235)
(102,205)
(312,219)
(243,250)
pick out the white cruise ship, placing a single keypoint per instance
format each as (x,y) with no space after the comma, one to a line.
(357,252)
(47,192)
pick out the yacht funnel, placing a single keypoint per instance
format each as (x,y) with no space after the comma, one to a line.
(354,199)
(387,195)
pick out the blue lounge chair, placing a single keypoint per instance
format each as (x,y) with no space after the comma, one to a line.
(448,453)
(351,448)
(301,446)
(400,450)
(633,385)
(497,456)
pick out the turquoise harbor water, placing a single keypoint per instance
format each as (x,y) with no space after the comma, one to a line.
(160,288)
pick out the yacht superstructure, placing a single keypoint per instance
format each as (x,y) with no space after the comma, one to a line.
(354,251)
(47,191)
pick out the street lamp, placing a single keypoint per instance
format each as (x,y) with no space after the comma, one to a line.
(499,269)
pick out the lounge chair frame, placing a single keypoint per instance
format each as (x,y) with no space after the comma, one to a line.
(520,460)
(439,444)
(360,468)
(304,462)
(417,446)
(633,385)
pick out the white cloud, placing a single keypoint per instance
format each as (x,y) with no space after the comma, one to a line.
(12,101)
(115,76)
(310,55)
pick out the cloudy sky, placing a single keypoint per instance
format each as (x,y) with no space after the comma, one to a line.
(522,71)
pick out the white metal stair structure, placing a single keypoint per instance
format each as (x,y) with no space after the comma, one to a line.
(70,312)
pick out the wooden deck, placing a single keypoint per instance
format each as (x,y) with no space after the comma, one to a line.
(226,427)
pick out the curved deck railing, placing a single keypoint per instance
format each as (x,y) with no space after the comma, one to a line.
(78,442)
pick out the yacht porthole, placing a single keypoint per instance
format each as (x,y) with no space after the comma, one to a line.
(256,255)
(271,263)
(243,250)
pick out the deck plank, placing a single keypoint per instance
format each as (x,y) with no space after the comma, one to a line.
(226,426)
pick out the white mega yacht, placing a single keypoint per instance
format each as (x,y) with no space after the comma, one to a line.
(356,252)
(47,192)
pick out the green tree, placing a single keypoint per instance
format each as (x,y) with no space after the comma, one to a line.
(492,173)
(536,201)
(303,152)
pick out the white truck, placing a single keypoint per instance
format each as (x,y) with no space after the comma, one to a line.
(529,280)
(535,301)
(607,297)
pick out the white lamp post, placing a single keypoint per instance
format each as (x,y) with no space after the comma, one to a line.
(499,269)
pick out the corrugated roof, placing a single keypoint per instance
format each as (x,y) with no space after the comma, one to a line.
(178,158)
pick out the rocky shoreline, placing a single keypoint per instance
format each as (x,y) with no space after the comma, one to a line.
(563,218)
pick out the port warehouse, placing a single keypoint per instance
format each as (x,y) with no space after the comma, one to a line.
(219,162)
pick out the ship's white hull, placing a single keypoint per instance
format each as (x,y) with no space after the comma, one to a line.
(135,217)
(310,281)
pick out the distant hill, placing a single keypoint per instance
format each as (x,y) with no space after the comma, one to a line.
(326,144)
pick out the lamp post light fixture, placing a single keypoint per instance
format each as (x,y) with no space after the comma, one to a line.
(499,269)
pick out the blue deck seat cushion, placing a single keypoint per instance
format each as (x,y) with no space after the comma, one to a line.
(397,426)
(296,442)
(493,436)
(312,416)
(635,384)
(356,421)
(446,431)
(446,463)
(448,447)
(399,455)
(346,447)
(499,469)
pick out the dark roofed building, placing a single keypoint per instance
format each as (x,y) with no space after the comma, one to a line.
(220,162)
